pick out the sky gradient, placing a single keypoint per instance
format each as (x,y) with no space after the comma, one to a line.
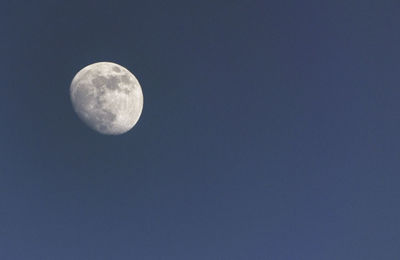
(270,130)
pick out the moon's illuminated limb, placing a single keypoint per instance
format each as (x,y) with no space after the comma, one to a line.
(107,97)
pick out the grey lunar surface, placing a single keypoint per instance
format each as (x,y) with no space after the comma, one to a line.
(107,97)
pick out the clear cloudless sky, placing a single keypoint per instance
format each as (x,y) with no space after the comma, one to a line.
(270,130)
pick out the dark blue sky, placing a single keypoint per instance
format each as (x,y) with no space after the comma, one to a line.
(270,130)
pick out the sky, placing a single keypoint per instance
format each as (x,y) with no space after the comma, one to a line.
(270,130)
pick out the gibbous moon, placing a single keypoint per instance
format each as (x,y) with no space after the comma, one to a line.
(107,97)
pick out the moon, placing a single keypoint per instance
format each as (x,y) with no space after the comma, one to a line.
(107,98)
